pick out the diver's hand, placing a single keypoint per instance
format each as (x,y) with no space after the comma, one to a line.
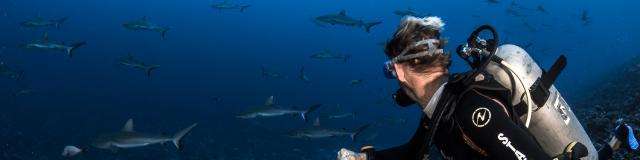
(345,154)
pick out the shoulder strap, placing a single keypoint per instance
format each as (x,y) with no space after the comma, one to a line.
(446,103)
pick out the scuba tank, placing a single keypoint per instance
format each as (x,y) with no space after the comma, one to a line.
(543,110)
(548,116)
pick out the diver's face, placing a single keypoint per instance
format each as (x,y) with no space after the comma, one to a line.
(406,80)
(419,86)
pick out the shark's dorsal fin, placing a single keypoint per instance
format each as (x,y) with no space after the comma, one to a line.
(45,37)
(128,127)
(269,102)
(144,18)
(343,12)
(317,122)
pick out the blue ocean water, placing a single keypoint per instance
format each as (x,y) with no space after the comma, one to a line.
(210,70)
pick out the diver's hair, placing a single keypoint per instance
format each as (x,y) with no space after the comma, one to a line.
(412,30)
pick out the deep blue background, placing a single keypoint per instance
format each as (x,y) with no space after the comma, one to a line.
(211,53)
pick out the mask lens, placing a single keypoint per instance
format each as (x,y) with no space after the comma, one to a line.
(388,70)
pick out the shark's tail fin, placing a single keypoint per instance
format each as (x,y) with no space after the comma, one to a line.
(367,26)
(303,76)
(355,134)
(73,47)
(311,109)
(149,69)
(164,31)
(244,7)
(60,21)
(263,72)
(346,57)
(178,137)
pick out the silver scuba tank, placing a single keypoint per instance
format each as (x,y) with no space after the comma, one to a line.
(553,125)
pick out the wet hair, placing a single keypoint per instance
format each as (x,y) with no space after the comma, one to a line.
(412,30)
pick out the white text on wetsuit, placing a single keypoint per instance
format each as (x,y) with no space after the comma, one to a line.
(507,143)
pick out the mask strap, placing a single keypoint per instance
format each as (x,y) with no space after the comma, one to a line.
(431,50)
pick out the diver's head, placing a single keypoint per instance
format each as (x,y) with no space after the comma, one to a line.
(417,58)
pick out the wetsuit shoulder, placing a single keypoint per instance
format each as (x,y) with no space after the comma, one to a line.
(486,124)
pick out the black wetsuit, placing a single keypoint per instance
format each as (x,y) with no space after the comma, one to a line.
(481,129)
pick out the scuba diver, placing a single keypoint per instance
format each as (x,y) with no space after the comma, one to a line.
(506,107)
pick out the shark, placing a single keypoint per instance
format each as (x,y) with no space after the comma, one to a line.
(127,137)
(327,54)
(41,22)
(339,113)
(542,9)
(356,81)
(145,25)
(586,19)
(5,70)
(342,19)
(45,44)
(409,12)
(266,73)
(268,109)
(493,1)
(130,61)
(395,119)
(342,115)
(317,131)
(514,12)
(22,92)
(228,6)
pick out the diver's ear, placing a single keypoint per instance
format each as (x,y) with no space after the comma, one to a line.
(400,72)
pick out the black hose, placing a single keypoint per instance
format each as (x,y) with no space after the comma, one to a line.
(493,47)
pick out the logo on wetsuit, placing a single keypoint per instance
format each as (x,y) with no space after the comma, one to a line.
(481,117)
(507,143)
